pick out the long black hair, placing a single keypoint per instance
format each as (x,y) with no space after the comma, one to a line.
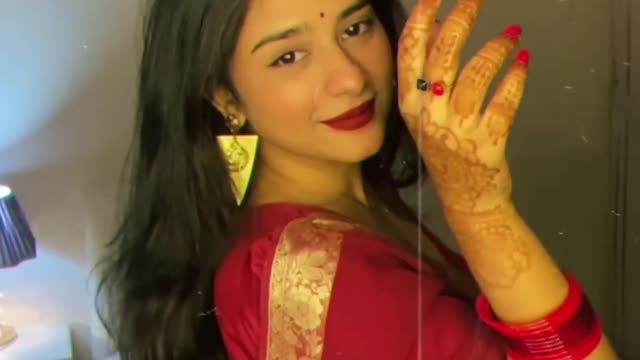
(181,217)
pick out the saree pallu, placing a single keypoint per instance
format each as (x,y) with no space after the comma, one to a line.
(305,283)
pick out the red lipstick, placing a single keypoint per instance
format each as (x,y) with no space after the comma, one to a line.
(353,119)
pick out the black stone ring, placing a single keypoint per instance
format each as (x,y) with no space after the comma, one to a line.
(423,85)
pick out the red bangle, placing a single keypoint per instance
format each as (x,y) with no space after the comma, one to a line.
(571,332)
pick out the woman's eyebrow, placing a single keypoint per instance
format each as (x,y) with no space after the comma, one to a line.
(297,30)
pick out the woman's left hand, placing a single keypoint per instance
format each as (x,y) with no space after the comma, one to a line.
(463,147)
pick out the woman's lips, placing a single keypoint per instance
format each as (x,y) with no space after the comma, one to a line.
(353,119)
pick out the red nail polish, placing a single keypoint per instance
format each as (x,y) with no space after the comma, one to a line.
(513,32)
(523,57)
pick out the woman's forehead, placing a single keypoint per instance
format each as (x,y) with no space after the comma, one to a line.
(266,17)
(266,11)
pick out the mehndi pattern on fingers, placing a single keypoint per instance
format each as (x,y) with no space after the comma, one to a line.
(476,77)
(412,55)
(501,110)
(498,123)
(409,60)
(443,61)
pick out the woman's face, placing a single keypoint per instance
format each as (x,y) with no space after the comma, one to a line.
(299,64)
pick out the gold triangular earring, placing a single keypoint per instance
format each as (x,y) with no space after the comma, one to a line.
(239,152)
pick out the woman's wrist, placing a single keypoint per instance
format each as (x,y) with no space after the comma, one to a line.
(509,262)
(572,331)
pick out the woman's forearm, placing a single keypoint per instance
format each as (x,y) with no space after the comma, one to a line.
(513,269)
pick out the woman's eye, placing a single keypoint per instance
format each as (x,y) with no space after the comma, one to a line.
(287,58)
(357,29)
(292,57)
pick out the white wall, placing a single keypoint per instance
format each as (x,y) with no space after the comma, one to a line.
(67,89)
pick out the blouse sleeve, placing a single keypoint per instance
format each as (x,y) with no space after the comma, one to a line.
(320,288)
(237,289)
(453,330)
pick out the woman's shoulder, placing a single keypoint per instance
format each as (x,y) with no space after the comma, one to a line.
(278,238)
(283,253)
(290,230)
(274,232)
(287,226)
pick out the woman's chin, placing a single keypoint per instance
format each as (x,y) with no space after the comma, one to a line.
(361,146)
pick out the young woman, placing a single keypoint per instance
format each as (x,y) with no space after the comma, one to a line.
(321,259)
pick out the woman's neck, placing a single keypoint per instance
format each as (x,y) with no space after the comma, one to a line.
(289,178)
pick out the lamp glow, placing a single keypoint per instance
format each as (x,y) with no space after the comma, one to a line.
(4,191)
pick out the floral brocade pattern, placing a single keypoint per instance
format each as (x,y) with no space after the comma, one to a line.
(303,270)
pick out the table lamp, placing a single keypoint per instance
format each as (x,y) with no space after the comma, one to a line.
(17,244)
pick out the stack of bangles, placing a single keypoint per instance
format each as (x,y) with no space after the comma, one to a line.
(572,332)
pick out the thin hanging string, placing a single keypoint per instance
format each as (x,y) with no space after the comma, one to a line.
(419,228)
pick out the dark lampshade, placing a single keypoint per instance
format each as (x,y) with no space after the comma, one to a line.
(17,243)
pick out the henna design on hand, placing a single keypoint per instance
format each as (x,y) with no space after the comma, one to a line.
(491,243)
(500,112)
(460,178)
(412,52)
(475,79)
(463,150)
(443,61)
(408,58)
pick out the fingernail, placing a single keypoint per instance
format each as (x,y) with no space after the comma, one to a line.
(523,57)
(513,32)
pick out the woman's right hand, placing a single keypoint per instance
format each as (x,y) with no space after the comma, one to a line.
(462,146)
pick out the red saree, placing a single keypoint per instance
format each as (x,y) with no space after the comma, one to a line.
(306,283)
